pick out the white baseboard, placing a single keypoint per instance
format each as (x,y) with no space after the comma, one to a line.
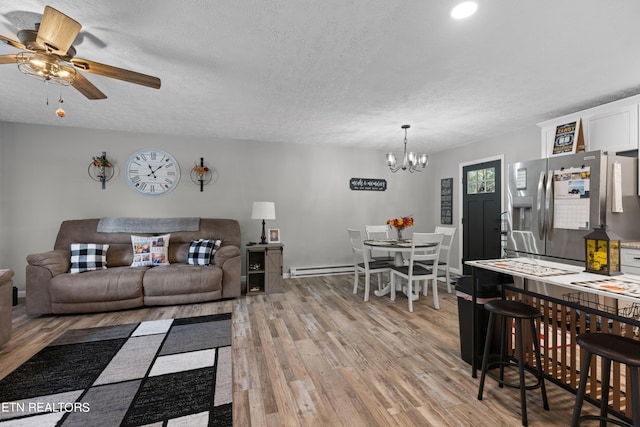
(297,272)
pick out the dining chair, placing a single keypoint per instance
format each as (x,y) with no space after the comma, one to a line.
(445,252)
(378,232)
(363,263)
(418,269)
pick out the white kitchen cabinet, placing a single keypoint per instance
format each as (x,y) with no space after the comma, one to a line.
(613,131)
(611,127)
(630,261)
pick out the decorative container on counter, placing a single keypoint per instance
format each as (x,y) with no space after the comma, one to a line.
(602,252)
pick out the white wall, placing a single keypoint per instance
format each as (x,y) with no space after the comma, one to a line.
(44,180)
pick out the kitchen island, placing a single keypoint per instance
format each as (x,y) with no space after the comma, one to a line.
(582,302)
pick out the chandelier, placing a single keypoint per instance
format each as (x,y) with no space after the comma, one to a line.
(413,162)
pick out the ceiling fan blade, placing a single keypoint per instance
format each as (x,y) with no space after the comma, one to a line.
(116,73)
(87,88)
(13,43)
(7,59)
(57,31)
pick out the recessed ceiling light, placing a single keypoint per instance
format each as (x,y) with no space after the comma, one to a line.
(464,10)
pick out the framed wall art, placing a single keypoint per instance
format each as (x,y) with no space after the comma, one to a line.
(446,201)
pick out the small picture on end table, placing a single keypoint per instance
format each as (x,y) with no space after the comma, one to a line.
(274,235)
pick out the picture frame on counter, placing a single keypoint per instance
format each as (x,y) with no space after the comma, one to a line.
(274,235)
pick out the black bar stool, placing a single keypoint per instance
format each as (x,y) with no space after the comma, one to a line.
(518,311)
(611,348)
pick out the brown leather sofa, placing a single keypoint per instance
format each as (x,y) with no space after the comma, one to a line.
(51,288)
(6,304)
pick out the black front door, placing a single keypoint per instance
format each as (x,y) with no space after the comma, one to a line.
(481,209)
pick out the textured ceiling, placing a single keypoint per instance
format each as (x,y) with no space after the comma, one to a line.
(346,73)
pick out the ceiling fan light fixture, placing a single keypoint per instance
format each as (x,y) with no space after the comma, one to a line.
(46,67)
(48,55)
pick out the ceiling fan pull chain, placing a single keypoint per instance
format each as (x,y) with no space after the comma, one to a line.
(60,112)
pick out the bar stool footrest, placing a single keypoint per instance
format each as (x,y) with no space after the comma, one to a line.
(606,419)
(507,364)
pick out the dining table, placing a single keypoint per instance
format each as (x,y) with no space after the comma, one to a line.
(397,248)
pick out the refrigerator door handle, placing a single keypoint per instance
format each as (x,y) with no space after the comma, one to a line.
(539,210)
(549,193)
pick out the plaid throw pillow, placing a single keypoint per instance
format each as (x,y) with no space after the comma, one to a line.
(88,257)
(201,251)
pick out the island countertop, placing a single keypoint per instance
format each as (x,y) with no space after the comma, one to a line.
(630,245)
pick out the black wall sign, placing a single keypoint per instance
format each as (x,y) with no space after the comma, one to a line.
(446,201)
(368,184)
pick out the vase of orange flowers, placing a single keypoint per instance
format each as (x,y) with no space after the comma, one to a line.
(400,224)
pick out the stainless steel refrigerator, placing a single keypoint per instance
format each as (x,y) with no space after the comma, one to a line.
(553,203)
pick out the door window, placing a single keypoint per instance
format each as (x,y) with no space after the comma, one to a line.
(481,181)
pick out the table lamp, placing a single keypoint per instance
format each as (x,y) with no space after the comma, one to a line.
(263,210)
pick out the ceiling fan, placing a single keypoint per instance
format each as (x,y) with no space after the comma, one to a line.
(47,53)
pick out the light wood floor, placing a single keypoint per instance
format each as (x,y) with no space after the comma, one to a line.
(317,355)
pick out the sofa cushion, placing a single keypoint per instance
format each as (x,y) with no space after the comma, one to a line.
(112,284)
(150,250)
(88,257)
(120,254)
(180,279)
(201,251)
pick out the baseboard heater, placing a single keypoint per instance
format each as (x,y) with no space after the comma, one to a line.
(320,271)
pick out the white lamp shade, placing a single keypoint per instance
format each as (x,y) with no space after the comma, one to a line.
(263,210)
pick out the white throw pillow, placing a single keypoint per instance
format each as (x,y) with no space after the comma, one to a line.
(150,250)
